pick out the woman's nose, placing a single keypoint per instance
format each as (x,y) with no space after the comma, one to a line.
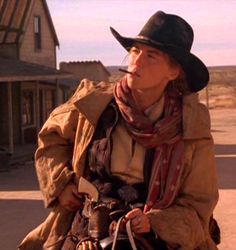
(138,59)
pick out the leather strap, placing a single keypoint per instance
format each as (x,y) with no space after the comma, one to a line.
(130,235)
(116,234)
(128,231)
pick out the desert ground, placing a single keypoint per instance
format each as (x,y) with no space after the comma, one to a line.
(21,205)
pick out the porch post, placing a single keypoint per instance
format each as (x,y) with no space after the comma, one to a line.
(57,92)
(10,118)
(37,108)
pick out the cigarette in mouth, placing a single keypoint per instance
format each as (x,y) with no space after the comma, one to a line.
(125,71)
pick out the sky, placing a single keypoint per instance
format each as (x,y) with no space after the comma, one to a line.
(82,27)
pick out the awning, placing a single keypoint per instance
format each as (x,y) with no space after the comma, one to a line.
(12,70)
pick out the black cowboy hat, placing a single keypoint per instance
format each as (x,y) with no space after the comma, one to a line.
(174,36)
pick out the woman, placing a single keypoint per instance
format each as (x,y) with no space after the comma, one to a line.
(147,135)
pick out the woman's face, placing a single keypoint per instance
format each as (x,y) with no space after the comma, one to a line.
(151,68)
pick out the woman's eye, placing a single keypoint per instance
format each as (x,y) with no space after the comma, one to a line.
(152,56)
(134,50)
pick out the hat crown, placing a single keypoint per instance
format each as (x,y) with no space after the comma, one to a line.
(168,29)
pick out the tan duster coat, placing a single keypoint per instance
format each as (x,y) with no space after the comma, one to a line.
(66,135)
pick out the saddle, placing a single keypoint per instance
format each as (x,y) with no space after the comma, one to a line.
(101,224)
(107,230)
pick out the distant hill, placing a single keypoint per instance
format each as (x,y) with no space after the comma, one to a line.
(115,73)
(223,75)
(113,69)
(222,68)
(218,74)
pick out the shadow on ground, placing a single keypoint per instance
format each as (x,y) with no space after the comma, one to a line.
(19,215)
(226,165)
(18,218)
(19,178)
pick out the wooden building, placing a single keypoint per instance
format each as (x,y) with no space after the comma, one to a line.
(29,80)
(92,70)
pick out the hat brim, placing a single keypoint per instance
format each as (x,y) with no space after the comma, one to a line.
(195,70)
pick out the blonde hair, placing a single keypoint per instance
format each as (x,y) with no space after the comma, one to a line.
(180,82)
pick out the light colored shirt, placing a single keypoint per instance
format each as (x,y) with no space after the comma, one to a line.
(127,158)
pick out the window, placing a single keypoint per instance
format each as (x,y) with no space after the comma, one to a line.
(28,108)
(37,32)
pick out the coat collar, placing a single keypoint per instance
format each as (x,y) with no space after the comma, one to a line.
(196,118)
(91,100)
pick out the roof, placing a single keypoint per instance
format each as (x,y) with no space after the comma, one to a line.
(16,70)
(13,20)
(85,63)
(81,70)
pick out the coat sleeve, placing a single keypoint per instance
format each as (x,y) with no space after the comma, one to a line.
(185,223)
(54,154)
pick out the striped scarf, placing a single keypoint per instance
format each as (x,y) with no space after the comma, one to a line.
(165,135)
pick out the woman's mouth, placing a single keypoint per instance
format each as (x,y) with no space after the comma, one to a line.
(126,71)
(129,72)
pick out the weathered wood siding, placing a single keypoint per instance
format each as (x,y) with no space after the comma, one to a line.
(93,70)
(47,55)
(8,51)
